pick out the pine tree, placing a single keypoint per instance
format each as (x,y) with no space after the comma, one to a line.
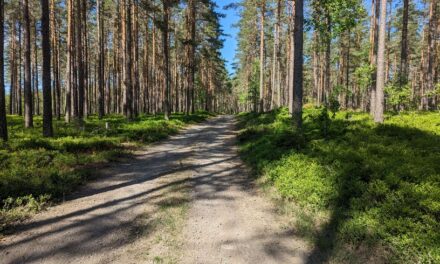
(28,102)
(3,124)
(298,63)
(47,100)
(379,102)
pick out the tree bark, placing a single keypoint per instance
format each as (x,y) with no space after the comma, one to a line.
(373,51)
(378,113)
(100,59)
(190,56)
(127,63)
(3,122)
(430,54)
(35,74)
(69,62)
(12,69)
(262,16)
(291,58)
(55,61)
(166,61)
(28,102)
(47,100)
(275,102)
(298,61)
(80,59)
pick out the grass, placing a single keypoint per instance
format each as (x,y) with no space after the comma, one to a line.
(36,170)
(362,192)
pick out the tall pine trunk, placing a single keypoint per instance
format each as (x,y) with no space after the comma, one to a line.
(80,59)
(69,79)
(276,82)
(3,124)
(35,73)
(378,113)
(430,55)
(298,63)
(55,61)
(190,55)
(28,102)
(262,16)
(101,57)
(126,54)
(166,60)
(373,51)
(403,79)
(291,57)
(45,40)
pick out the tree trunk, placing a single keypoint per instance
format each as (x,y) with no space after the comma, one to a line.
(19,82)
(291,57)
(430,54)
(36,78)
(166,61)
(80,59)
(12,69)
(85,58)
(3,122)
(190,56)
(135,56)
(378,113)
(263,14)
(55,61)
(316,67)
(328,42)
(127,63)
(47,100)
(373,51)
(298,63)
(275,102)
(28,102)
(69,62)
(403,79)
(100,59)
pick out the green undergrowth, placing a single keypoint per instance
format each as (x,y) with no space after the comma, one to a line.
(36,170)
(358,185)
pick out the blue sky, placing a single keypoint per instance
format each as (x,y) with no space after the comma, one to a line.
(227,23)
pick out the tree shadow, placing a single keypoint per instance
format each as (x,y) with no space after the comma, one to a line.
(109,214)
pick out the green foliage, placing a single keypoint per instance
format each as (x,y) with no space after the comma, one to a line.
(398,97)
(363,75)
(435,92)
(254,83)
(378,184)
(33,165)
(333,103)
(15,209)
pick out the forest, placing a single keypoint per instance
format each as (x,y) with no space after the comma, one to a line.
(333,106)
(344,43)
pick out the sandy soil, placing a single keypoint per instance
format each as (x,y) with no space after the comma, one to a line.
(135,212)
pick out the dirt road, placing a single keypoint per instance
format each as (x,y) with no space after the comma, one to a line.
(184,200)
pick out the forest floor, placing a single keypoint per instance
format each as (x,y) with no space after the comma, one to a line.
(358,191)
(185,200)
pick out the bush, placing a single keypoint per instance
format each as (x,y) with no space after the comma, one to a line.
(376,183)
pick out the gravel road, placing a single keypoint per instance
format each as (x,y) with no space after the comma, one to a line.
(118,218)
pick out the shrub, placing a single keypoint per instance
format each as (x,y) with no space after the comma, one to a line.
(378,184)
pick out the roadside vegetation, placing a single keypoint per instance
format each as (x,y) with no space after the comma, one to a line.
(362,191)
(35,171)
